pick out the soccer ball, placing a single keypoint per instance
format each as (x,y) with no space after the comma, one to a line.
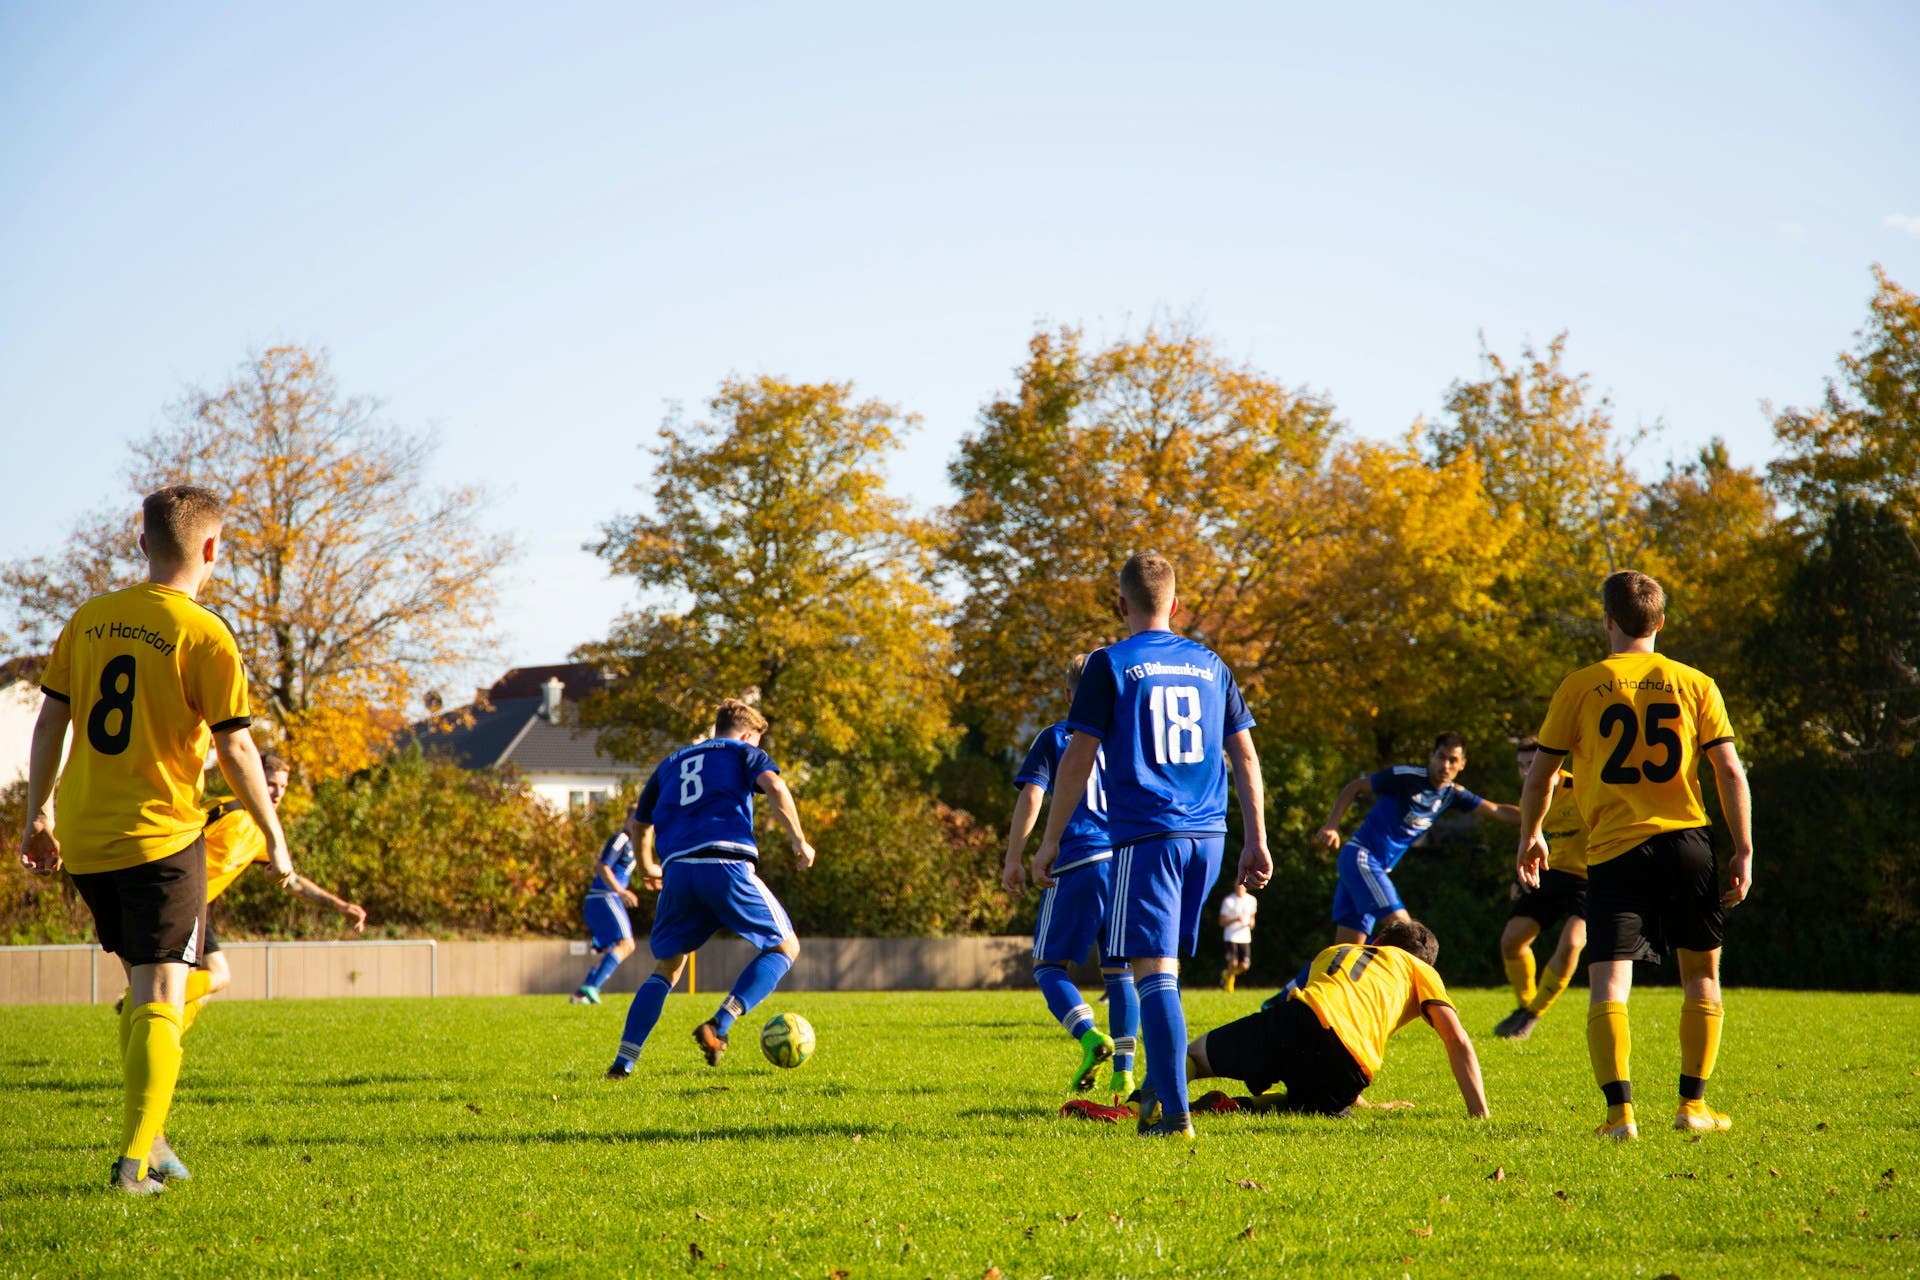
(787,1040)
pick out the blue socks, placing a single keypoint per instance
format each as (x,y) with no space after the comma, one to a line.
(1163,1026)
(1123,1015)
(642,1014)
(1064,1001)
(602,971)
(756,983)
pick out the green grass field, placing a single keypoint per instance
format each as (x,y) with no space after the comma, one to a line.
(470,1137)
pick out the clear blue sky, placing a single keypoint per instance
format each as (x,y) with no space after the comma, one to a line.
(533,227)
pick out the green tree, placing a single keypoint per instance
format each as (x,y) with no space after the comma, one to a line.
(1863,442)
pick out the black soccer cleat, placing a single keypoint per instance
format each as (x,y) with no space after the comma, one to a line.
(1517,1025)
(712,1043)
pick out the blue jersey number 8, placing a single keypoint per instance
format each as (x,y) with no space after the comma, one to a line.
(692,786)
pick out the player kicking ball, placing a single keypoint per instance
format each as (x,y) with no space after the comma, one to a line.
(606,913)
(1074,908)
(1562,895)
(1167,717)
(697,808)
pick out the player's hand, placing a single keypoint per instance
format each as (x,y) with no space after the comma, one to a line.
(1256,866)
(1327,837)
(1043,860)
(803,855)
(356,913)
(629,897)
(650,881)
(279,865)
(1532,857)
(1739,879)
(39,851)
(1013,877)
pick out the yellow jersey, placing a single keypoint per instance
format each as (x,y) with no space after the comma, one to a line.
(1565,832)
(1365,994)
(1635,725)
(145,671)
(234,843)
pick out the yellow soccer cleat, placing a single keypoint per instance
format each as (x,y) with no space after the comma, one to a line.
(1696,1116)
(1619,1124)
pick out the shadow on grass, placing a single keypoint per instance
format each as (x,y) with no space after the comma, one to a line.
(567,1137)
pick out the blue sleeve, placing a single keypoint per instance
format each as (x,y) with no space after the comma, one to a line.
(1382,782)
(1463,800)
(1092,711)
(759,762)
(610,852)
(649,797)
(1041,761)
(1238,717)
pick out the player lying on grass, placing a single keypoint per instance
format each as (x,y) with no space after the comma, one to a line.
(1635,725)
(1407,800)
(606,913)
(1326,1043)
(698,809)
(1074,908)
(1562,895)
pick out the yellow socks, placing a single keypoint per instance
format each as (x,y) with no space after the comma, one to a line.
(1608,1043)
(153,1068)
(1552,983)
(1520,975)
(1227,981)
(198,981)
(1699,1046)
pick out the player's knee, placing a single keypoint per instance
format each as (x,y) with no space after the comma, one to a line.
(219,978)
(623,948)
(1515,938)
(1197,1064)
(789,947)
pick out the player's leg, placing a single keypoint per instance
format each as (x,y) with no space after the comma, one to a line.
(1692,922)
(681,922)
(1121,994)
(207,978)
(1069,929)
(1618,906)
(643,1015)
(1169,883)
(612,930)
(741,901)
(1561,964)
(1516,956)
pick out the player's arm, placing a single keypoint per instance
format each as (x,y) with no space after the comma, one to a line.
(1026,812)
(1460,1056)
(607,877)
(1070,779)
(240,764)
(1256,864)
(1736,802)
(1498,812)
(788,814)
(1534,794)
(39,851)
(641,835)
(302,887)
(1328,836)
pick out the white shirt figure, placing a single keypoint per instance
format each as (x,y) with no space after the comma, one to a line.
(1236,915)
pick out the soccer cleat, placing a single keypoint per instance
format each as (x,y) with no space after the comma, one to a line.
(1696,1116)
(1146,1107)
(585,995)
(1121,1087)
(126,1178)
(1517,1025)
(1618,1130)
(1088,1109)
(1096,1047)
(619,1070)
(163,1164)
(1213,1103)
(1169,1127)
(711,1042)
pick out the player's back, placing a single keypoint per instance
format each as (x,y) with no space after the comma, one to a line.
(701,798)
(1363,994)
(147,673)
(1085,839)
(1634,726)
(1162,706)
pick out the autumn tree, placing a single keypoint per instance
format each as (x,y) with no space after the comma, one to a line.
(351,584)
(1863,442)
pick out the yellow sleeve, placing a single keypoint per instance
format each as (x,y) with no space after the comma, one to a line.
(1427,987)
(217,680)
(57,680)
(1714,726)
(1562,725)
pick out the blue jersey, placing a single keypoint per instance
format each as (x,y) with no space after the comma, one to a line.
(617,854)
(700,799)
(1085,839)
(1162,706)
(1405,804)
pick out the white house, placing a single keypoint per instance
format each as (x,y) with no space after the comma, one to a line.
(19,707)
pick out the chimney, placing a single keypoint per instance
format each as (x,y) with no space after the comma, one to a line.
(550,703)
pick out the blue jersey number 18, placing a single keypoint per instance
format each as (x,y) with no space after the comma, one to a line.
(1177,736)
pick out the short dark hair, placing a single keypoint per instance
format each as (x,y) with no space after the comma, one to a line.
(1411,937)
(177,518)
(274,762)
(1635,602)
(1448,741)
(1528,743)
(1146,580)
(733,715)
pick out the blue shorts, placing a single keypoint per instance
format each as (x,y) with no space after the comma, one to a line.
(701,896)
(1160,886)
(1365,892)
(607,918)
(1072,912)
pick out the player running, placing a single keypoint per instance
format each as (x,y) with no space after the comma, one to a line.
(1636,724)
(1562,895)
(1407,800)
(1237,911)
(148,679)
(698,808)
(1074,908)
(606,912)
(1168,719)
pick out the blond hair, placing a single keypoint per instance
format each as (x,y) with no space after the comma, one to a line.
(733,715)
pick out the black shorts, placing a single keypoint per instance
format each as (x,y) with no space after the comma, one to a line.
(1561,895)
(1658,896)
(1286,1044)
(1240,953)
(210,942)
(155,913)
